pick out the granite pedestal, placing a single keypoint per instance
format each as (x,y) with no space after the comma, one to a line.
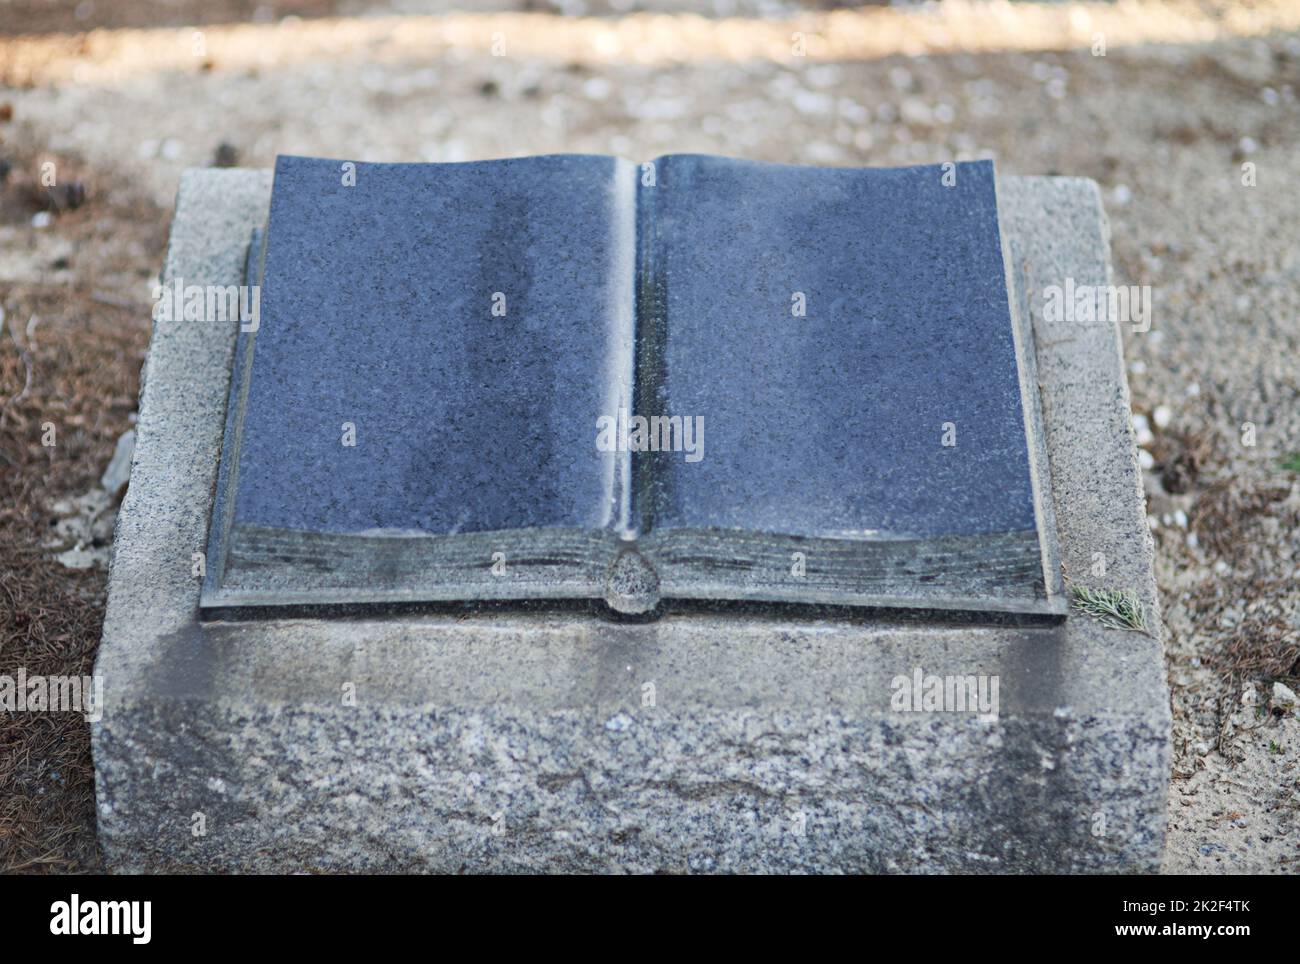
(564,741)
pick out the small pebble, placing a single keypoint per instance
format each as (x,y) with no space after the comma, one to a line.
(1162,416)
(66,196)
(808,102)
(597,88)
(226,155)
(1142,431)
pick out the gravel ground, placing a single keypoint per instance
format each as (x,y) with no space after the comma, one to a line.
(1184,96)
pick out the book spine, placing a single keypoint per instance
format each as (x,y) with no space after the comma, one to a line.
(651,335)
(620,375)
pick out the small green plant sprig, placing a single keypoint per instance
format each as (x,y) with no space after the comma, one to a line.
(1114,608)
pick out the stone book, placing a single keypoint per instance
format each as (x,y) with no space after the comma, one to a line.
(572,377)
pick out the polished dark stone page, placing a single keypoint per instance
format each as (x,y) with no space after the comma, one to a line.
(832,423)
(466,322)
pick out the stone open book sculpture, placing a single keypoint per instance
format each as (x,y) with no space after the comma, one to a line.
(570,377)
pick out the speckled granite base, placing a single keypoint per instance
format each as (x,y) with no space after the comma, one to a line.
(553,742)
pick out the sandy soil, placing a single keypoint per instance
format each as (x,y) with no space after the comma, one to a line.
(1164,122)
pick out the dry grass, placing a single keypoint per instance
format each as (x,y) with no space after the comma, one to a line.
(1263,646)
(67,358)
(1183,456)
(1226,514)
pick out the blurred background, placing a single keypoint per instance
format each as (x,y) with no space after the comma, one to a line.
(1165,105)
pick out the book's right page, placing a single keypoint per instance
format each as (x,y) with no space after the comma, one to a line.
(844,343)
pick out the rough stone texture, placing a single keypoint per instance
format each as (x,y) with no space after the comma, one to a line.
(524,742)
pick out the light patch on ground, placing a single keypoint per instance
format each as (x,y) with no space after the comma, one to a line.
(1243,816)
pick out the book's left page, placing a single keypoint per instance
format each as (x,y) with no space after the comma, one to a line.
(413,414)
